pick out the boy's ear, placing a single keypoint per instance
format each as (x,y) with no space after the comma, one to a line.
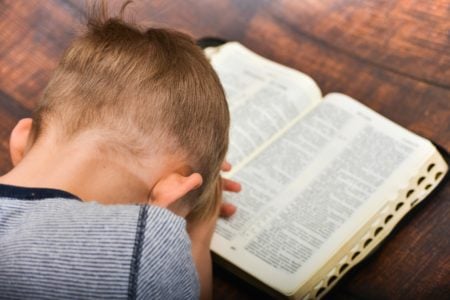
(19,139)
(173,187)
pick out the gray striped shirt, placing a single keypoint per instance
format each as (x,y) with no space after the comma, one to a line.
(54,246)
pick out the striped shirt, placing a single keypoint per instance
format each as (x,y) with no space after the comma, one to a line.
(54,246)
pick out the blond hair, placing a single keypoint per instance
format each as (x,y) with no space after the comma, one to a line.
(146,88)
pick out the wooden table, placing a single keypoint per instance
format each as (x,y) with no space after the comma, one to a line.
(394,56)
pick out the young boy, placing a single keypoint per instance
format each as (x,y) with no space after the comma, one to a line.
(130,117)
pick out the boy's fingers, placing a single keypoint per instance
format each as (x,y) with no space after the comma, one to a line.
(231,186)
(226,166)
(227,210)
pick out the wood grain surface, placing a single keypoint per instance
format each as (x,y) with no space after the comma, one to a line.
(394,56)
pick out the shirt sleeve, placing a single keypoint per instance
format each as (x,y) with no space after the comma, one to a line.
(67,249)
(163,265)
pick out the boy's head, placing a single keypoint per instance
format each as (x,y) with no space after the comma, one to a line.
(146,93)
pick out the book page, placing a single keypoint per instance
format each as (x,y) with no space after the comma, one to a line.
(305,194)
(263,96)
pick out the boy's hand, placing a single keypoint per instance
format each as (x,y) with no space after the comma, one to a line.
(201,232)
(228,209)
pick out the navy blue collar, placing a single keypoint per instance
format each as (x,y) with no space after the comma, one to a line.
(27,193)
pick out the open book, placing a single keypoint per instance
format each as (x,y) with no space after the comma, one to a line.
(325,179)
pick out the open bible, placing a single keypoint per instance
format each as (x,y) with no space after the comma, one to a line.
(325,179)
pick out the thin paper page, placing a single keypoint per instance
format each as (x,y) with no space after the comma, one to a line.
(306,193)
(263,96)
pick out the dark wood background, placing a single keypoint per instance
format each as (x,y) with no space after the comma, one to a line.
(394,56)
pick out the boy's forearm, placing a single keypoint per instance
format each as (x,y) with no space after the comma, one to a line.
(203,262)
(201,232)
